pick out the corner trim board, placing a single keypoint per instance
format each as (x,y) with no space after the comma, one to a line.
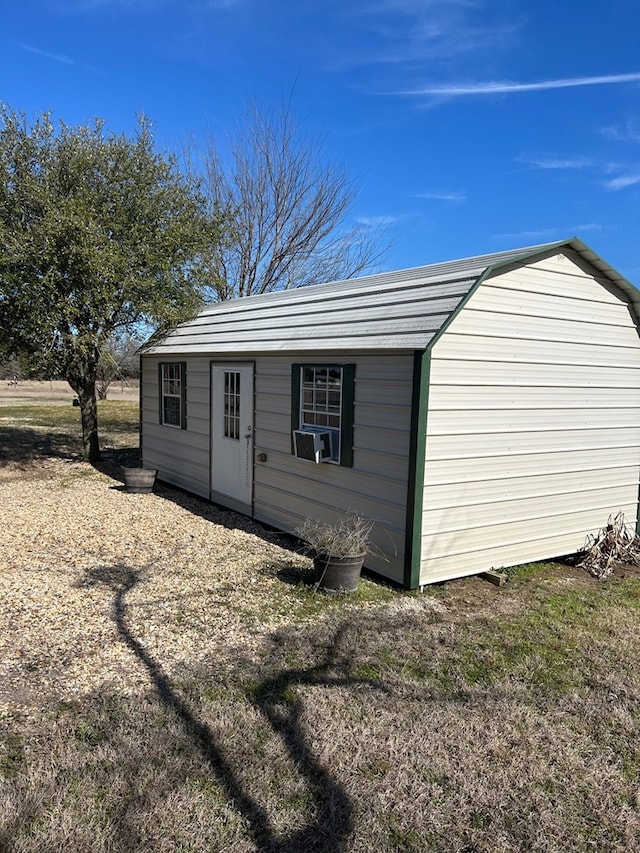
(417,457)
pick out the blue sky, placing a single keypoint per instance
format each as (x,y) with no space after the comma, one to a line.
(472,125)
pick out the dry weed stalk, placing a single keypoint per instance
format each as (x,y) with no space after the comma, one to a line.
(347,536)
(614,543)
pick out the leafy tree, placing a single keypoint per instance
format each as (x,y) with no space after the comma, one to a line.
(98,233)
(291,204)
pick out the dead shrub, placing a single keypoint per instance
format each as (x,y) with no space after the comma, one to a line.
(613,544)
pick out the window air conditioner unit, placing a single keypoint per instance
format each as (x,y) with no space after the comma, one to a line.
(314,446)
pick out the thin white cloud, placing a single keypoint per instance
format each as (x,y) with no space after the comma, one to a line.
(219,5)
(630,132)
(376,221)
(409,7)
(82,6)
(443,195)
(550,233)
(455,90)
(400,33)
(623,181)
(56,57)
(556,162)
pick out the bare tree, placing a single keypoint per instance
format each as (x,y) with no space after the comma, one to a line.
(291,205)
(119,359)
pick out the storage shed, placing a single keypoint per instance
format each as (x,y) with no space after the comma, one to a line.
(484,412)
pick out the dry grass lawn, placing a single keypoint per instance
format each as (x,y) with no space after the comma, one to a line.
(170,682)
(57,392)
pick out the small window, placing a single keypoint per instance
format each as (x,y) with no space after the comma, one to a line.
(173,394)
(232,404)
(322,400)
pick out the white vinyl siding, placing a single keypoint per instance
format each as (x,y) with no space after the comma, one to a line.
(181,456)
(286,489)
(289,489)
(533,426)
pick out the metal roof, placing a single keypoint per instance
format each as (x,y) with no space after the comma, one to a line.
(400,310)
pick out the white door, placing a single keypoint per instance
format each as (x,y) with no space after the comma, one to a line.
(232,434)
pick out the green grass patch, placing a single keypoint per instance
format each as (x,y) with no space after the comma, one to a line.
(525,571)
(113,416)
(295,596)
(12,755)
(31,415)
(546,646)
(119,416)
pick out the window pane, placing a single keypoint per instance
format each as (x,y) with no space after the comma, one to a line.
(320,401)
(171,393)
(171,411)
(232,404)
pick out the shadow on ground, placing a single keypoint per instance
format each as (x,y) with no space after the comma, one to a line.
(217,514)
(279,705)
(21,444)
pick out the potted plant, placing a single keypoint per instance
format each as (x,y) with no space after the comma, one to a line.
(338,548)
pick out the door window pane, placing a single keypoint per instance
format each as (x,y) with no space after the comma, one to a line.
(232,404)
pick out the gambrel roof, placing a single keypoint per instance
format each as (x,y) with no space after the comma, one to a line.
(400,310)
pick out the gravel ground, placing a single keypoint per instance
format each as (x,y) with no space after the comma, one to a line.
(197,582)
(74,545)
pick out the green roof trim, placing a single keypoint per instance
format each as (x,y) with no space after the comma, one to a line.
(513,260)
(417,458)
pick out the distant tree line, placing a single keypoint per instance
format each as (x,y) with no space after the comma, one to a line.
(119,361)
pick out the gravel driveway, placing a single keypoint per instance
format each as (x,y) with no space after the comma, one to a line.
(195,581)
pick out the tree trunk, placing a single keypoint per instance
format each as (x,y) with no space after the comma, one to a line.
(89,416)
(82,378)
